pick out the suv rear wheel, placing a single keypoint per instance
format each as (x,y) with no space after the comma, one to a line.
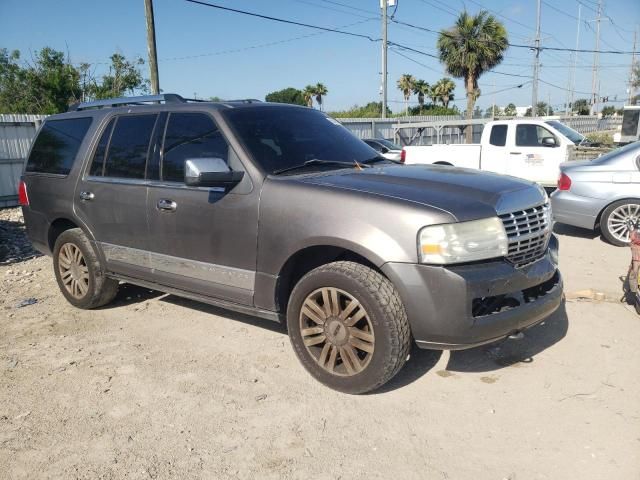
(348,327)
(79,273)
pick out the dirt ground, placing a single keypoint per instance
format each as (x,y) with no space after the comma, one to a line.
(154,386)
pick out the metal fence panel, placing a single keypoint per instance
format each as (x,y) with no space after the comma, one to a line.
(16,135)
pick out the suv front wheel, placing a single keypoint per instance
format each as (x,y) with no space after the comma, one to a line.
(79,273)
(348,327)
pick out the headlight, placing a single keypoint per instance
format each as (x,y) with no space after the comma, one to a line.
(463,242)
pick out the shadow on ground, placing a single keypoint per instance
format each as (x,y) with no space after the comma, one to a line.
(508,353)
(236,316)
(570,231)
(15,246)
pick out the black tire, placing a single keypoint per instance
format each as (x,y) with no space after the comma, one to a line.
(100,289)
(385,315)
(605,228)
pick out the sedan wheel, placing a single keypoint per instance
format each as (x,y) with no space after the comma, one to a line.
(616,219)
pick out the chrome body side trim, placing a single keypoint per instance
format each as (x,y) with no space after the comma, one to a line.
(208,272)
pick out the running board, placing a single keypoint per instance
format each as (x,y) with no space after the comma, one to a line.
(236,307)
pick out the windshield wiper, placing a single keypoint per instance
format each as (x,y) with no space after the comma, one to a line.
(316,161)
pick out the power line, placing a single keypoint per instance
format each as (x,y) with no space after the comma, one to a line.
(516,45)
(282,20)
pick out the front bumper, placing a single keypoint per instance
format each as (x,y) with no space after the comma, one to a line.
(465,306)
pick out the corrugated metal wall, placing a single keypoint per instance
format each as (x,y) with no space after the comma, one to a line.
(16,135)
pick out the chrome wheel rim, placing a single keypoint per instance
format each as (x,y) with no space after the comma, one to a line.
(337,331)
(73,269)
(618,221)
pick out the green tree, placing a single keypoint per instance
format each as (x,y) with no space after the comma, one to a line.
(320,91)
(493,111)
(542,109)
(581,106)
(474,45)
(47,86)
(124,78)
(608,110)
(287,95)
(370,110)
(443,89)
(421,88)
(406,84)
(308,93)
(510,110)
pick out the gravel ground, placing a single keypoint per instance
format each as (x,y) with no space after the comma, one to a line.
(155,386)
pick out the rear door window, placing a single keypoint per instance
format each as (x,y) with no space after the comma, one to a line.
(129,146)
(57,145)
(97,164)
(498,135)
(190,135)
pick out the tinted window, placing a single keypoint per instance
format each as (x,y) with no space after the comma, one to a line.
(568,132)
(190,135)
(390,145)
(498,135)
(281,137)
(630,119)
(57,145)
(127,155)
(377,147)
(528,135)
(101,150)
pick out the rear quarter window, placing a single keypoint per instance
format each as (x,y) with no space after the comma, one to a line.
(57,145)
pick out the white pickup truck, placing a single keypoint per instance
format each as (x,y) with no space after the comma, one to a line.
(529,149)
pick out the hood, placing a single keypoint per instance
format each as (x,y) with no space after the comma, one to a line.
(466,194)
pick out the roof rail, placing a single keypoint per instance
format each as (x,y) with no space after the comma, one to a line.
(242,100)
(114,102)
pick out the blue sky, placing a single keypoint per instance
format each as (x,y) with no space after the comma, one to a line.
(208,52)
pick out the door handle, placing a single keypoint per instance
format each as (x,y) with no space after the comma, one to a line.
(515,153)
(165,205)
(87,196)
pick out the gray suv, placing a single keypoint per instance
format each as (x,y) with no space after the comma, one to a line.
(278,211)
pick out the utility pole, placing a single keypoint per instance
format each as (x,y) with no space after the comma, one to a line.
(572,72)
(383,5)
(151,47)
(633,63)
(594,79)
(536,67)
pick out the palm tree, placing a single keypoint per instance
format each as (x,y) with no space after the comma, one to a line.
(406,84)
(474,45)
(308,93)
(444,89)
(319,91)
(421,88)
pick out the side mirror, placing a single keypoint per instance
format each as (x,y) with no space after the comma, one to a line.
(549,142)
(210,172)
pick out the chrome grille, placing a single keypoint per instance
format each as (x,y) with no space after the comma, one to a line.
(528,232)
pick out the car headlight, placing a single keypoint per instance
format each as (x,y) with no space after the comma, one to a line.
(463,242)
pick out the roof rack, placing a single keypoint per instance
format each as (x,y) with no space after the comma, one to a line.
(140,100)
(243,100)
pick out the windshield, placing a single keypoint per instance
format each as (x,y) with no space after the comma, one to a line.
(389,145)
(568,132)
(630,147)
(282,137)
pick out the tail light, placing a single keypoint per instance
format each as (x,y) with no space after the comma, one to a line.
(403,155)
(564,182)
(23,198)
